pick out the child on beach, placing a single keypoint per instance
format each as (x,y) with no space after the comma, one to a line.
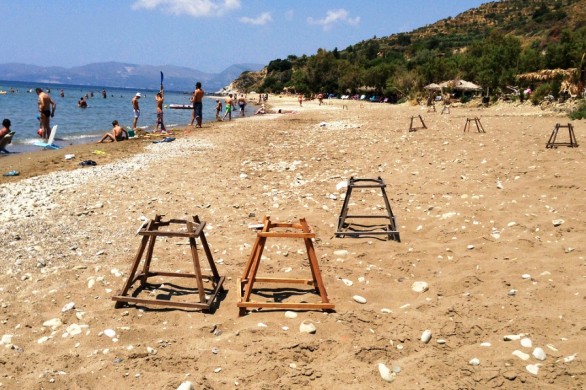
(218,109)
(116,134)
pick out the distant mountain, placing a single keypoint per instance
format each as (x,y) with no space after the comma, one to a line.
(116,74)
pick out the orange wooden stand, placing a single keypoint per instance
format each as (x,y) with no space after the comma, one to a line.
(149,232)
(246,283)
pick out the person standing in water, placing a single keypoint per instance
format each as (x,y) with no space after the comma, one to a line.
(135,109)
(47,109)
(197,105)
(160,98)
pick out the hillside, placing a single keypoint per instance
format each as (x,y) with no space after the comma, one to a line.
(116,74)
(489,45)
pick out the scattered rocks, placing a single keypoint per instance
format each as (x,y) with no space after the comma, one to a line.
(426,336)
(53,323)
(532,368)
(521,355)
(307,327)
(186,386)
(557,222)
(420,287)
(526,342)
(386,373)
(539,354)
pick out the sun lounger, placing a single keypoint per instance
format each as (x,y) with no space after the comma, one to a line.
(49,144)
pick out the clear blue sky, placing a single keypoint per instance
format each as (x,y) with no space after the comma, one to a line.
(207,35)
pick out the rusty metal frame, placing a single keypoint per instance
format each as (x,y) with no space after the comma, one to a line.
(551,143)
(346,228)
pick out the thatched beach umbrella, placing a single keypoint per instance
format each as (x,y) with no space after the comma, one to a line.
(433,87)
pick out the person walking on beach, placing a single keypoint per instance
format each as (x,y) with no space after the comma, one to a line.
(218,109)
(117,134)
(197,105)
(229,104)
(47,109)
(160,98)
(136,109)
(242,104)
(300,99)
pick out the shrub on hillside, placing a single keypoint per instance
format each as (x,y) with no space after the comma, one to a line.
(579,112)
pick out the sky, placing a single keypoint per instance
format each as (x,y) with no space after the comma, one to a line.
(206,35)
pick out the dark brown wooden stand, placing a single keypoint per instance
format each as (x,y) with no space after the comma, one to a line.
(149,232)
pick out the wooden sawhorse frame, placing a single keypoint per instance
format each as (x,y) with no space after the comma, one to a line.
(246,283)
(349,229)
(411,128)
(551,142)
(149,232)
(476,120)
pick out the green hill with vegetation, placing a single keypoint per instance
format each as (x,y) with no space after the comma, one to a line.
(490,45)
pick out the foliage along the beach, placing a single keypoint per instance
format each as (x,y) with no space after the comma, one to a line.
(489,45)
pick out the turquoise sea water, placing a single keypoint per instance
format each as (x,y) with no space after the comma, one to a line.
(77,125)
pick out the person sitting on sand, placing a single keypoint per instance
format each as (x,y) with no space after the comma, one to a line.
(3,133)
(261,110)
(117,134)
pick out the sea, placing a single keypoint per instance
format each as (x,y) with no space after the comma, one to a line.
(84,125)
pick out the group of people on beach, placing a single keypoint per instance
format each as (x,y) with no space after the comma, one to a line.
(47,107)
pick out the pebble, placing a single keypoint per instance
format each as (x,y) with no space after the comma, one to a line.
(521,355)
(441,341)
(512,337)
(261,325)
(384,310)
(218,370)
(341,252)
(485,344)
(67,307)
(359,299)
(532,368)
(469,247)
(186,386)
(426,336)
(570,358)
(347,282)
(73,330)
(539,354)
(386,373)
(110,333)
(6,339)
(474,362)
(290,314)
(526,276)
(526,342)
(151,351)
(512,292)
(53,323)
(307,327)
(557,222)
(420,287)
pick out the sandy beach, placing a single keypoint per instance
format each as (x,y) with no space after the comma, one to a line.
(492,223)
